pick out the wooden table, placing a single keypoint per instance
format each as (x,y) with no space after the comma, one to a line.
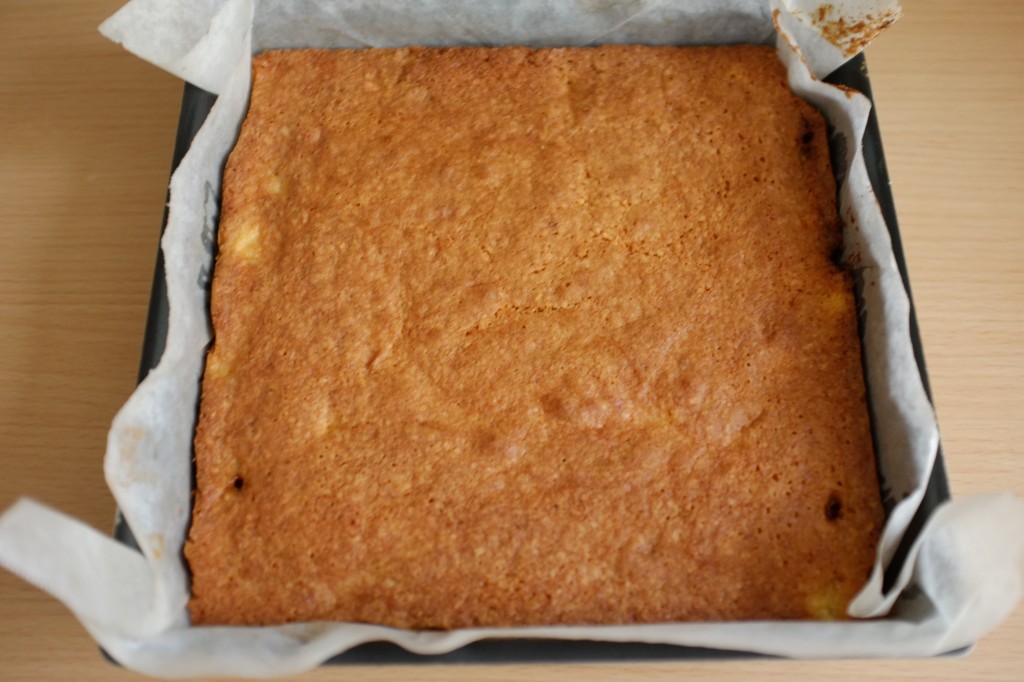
(87,133)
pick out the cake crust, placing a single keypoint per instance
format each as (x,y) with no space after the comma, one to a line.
(511,336)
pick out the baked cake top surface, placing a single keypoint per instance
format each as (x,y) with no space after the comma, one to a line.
(513,336)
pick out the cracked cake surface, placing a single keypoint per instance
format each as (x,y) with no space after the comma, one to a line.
(508,336)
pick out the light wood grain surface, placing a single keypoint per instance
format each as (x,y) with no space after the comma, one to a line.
(86,133)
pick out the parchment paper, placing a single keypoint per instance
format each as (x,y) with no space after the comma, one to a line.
(961,578)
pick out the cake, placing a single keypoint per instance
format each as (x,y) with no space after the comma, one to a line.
(512,336)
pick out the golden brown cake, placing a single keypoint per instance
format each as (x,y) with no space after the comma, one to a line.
(513,336)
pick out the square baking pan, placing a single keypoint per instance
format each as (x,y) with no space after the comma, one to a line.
(196,104)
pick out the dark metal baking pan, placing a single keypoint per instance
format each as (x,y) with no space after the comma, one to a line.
(195,106)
